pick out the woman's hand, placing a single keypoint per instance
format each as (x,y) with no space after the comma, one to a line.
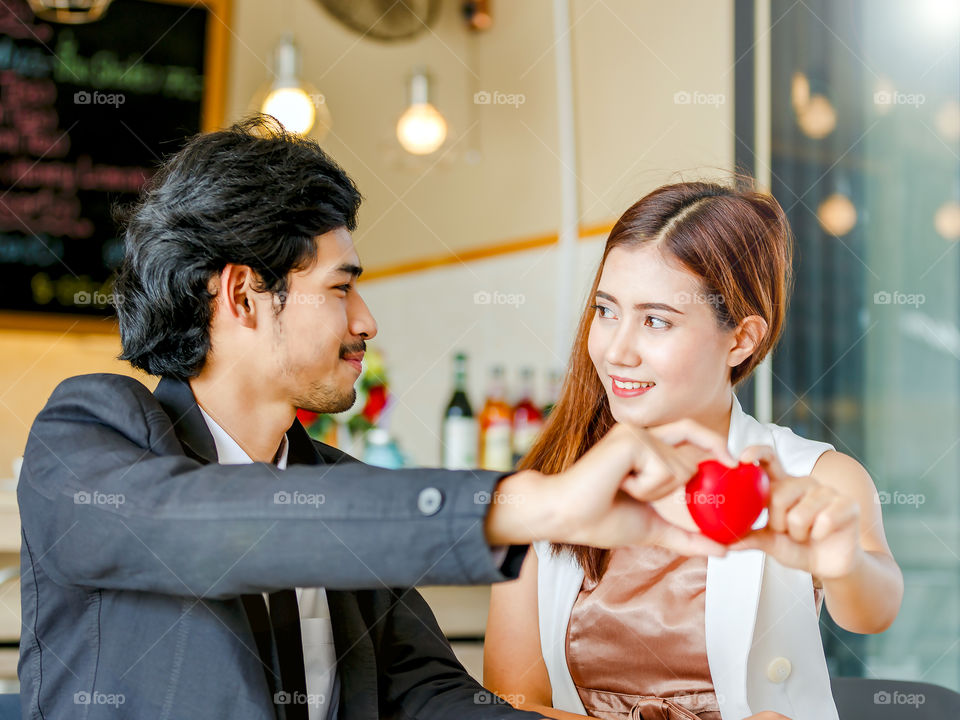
(811,526)
(603,499)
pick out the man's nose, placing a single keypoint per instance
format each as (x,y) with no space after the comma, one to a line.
(361,322)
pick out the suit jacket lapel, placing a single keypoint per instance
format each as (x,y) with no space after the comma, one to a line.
(356,664)
(176,399)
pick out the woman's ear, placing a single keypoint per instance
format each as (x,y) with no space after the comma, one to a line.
(747,337)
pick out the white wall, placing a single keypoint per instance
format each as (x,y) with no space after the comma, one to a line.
(425,318)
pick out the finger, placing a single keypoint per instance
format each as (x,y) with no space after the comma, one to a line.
(777,545)
(755,453)
(766,457)
(652,481)
(762,539)
(681,541)
(611,459)
(682,467)
(801,517)
(688,431)
(682,460)
(783,496)
(840,514)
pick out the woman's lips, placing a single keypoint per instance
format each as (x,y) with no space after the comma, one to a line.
(631,389)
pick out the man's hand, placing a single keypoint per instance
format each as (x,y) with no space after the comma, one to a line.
(811,527)
(602,499)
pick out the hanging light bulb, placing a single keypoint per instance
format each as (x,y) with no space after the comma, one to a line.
(799,91)
(421,129)
(947,120)
(837,214)
(947,220)
(289,99)
(815,113)
(69,11)
(818,118)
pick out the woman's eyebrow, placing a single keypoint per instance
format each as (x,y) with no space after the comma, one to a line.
(641,306)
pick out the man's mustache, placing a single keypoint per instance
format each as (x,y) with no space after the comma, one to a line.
(360,347)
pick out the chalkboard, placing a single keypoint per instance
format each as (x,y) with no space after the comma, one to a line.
(87,112)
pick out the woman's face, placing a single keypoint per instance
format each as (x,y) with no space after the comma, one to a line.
(653,326)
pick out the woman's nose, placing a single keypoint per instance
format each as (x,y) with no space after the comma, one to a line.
(623,349)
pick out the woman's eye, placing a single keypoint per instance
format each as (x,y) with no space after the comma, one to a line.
(603,311)
(656,323)
(343,288)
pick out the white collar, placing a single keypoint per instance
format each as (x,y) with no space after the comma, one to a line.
(229,451)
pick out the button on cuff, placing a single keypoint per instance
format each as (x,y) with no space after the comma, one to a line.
(430,501)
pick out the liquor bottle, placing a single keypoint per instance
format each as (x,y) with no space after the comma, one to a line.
(527,419)
(459,444)
(553,394)
(496,420)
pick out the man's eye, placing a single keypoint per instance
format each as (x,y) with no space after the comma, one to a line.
(343,288)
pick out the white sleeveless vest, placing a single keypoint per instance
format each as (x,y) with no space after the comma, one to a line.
(762,628)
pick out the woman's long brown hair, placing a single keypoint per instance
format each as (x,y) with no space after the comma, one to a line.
(737,242)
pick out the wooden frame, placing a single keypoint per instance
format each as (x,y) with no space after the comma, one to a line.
(212,111)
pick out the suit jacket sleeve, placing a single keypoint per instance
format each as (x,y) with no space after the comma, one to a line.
(420,677)
(109,499)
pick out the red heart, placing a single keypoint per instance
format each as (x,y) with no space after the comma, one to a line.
(725,502)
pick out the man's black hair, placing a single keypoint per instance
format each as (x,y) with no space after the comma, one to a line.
(252,195)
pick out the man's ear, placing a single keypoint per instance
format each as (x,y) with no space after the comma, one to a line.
(747,337)
(235,294)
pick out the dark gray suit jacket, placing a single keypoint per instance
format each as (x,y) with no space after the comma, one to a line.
(137,546)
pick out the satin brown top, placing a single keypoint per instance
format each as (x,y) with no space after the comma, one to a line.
(636,641)
(636,645)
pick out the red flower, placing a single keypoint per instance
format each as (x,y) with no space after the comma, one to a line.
(376,399)
(306,417)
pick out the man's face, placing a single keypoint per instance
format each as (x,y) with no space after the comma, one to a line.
(318,339)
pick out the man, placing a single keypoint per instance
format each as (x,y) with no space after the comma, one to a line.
(192,553)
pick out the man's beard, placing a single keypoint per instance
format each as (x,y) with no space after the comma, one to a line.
(326,399)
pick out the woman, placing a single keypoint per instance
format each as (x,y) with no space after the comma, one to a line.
(689,297)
